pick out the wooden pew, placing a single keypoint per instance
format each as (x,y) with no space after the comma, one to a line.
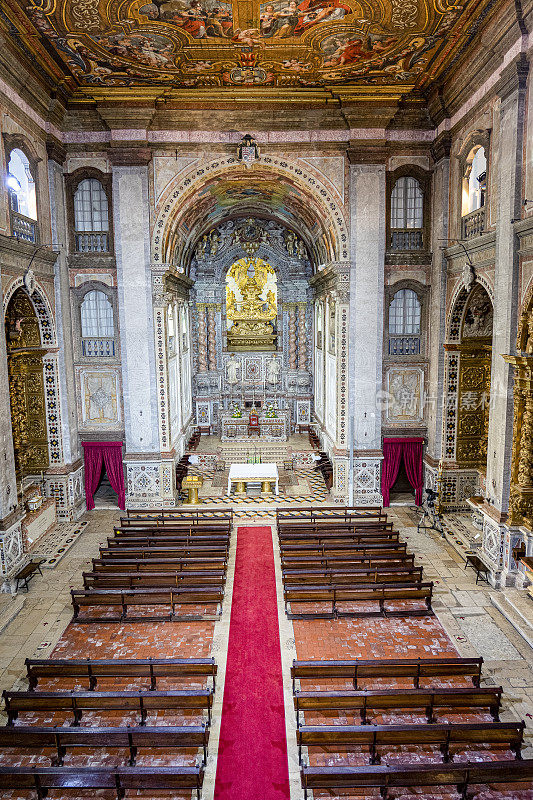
(63,738)
(334,525)
(117,779)
(196,514)
(78,702)
(164,552)
(416,669)
(349,560)
(445,735)
(345,575)
(173,530)
(402,699)
(171,596)
(213,543)
(95,668)
(183,564)
(317,540)
(462,776)
(377,592)
(138,580)
(320,512)
(332,548)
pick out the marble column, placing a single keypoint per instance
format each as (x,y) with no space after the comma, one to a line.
(292,337)
(150,476)
(202,339)
(302,341)
(365,378)
(211,338)
(508,183)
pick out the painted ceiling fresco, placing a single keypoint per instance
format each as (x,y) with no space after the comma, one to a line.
(283,43)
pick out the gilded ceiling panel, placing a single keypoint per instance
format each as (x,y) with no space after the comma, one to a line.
(281,43)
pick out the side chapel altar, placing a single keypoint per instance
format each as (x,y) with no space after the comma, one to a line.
(271,429)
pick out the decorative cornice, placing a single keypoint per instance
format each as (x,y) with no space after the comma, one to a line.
(513,78)
(368,152)
(441,147)
(130,156)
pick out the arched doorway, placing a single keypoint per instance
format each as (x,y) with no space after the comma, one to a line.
(26,386)
(466,413)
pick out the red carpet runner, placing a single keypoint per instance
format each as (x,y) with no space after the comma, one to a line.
(252,753)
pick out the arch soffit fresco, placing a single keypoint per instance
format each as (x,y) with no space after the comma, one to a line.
(320,200)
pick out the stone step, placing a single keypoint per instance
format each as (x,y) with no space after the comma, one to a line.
(517,607)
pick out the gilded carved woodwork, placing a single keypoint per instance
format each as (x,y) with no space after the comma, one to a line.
(521,494)
(473,404)
(251,305)
(26,386)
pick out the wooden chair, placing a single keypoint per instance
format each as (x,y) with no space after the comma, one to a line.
(253,424)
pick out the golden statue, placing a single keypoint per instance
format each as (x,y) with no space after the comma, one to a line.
(251,316)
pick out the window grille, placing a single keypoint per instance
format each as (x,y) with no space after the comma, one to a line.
(407,204)
(97,316)
(404,313)
(90,207)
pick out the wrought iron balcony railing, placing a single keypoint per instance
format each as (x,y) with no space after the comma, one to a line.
(92,242)
(98,347)
(404,345)
(407,239)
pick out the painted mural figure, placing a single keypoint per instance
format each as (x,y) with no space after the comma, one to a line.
(293,19)
(199,18)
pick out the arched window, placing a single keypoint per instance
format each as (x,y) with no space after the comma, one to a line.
(404,323)
(474,193)
(22,196)
(91,218)
(407,214)
(97,326)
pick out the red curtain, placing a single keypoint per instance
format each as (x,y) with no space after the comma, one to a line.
(412,458)
(110,455)
(392,456)
(411,449)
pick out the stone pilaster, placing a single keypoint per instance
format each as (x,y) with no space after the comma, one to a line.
(437,299)
(150,481)
(365,378)
(511,90)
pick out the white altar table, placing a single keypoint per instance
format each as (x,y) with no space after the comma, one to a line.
(253,472)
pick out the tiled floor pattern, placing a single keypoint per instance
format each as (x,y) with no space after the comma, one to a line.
(307,487)
(58,542)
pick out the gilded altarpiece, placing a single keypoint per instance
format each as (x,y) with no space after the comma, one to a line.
(474,380)
(26,386)
(521,495)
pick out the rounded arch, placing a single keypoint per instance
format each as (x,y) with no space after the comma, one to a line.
(275,188)
(42,307)
(458,306)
